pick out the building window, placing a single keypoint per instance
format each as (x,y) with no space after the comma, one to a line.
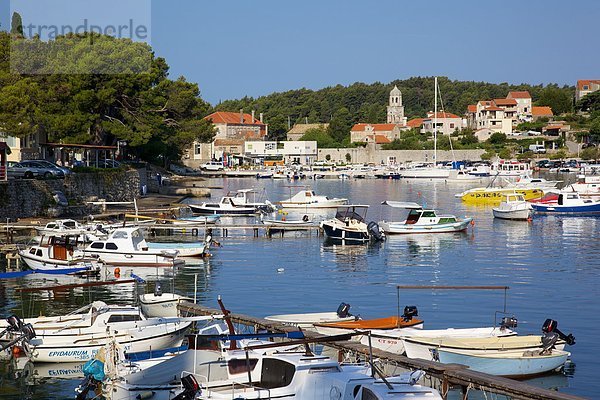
(585,87)
(451,126)
(249,146)
(270,146)
(197,149)
(280,145)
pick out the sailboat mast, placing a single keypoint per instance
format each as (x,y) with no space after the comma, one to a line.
(435,123)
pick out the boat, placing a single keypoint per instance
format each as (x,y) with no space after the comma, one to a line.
(420,220)
(127,247)
(264,175)
(309,199)
(513,207)
(70,227)
(423,346)
(193,249)
(58,253)
(512,364)
(234,204)
(406,320)
(288,224)
(495,195)
(73,337)
(196,220)
(307,320)
(391,340)
(510,168)
(586,186)
(528,181)
(350,226)
(569,203)
(159,304)
(433,170)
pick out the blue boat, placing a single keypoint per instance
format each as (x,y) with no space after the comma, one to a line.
(569,203)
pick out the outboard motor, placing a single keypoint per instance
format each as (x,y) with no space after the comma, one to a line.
(410,312)
(508,323)
(551,325)
(190,388)
(14,325)
(375,231)
(548,341)
(157,289)
(26,333)
(343,310)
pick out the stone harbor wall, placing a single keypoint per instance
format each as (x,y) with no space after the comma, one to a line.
(375,156)
(33,198)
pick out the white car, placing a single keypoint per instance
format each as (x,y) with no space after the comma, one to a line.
(213,166)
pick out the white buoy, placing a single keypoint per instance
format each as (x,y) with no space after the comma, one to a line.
(280,270)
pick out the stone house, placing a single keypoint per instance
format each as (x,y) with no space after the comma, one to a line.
(586,86)
(298,130)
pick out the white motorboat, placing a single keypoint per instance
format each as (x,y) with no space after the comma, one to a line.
(127,247)
(349,225)
(307,320)
(513,207)
(514,364)
(261,370)
(420,220)
(73,338)
(288,224)
(423,346)
(159,304)
(510,168)
(429,171)
(309,199)
(56,254)
(586,186)
(238,203)
(70,227)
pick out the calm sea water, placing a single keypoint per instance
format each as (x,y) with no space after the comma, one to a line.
(551,266)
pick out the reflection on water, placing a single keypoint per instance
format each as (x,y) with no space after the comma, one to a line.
(551,266)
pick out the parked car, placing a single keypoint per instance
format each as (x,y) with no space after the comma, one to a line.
(46,171)
(212,166)
(17,170)
(46,163)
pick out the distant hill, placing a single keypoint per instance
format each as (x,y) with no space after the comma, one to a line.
(367,102)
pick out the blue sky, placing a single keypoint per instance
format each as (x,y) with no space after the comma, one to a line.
(238,48)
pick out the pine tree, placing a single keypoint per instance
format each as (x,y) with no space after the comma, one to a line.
(16,25)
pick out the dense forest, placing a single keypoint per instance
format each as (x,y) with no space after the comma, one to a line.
(94,89)
(362,102)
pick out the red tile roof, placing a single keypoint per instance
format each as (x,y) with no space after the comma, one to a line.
(542,111)
(586,82)
(376,127)
(493,108)
(519,95)
(472,108)
(225,117)
(415,123)
(441,114)
(229,142)
(381,139)
(505,102)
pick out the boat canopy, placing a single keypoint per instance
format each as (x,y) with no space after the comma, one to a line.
(402,204)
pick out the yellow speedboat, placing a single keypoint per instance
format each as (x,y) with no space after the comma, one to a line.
(493,196)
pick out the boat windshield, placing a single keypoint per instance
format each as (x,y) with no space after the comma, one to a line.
(350,213)
(137,238)
(413,217)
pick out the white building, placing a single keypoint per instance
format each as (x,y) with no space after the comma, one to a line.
(489,116)
(300,152)
(523,99)
(586,86)
(447,123)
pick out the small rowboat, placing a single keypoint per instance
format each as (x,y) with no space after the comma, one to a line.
(309,319)
(336,328)
(506,363)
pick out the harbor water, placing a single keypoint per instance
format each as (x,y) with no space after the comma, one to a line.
(550,264)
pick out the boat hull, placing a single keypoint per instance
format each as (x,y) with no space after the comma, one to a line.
(426,173)
(402,228)
(495,197)
(245,211)
(509,364)
(592,209)
(43,265)
(516,215)
(68,348)
(164,306)
(335,232)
